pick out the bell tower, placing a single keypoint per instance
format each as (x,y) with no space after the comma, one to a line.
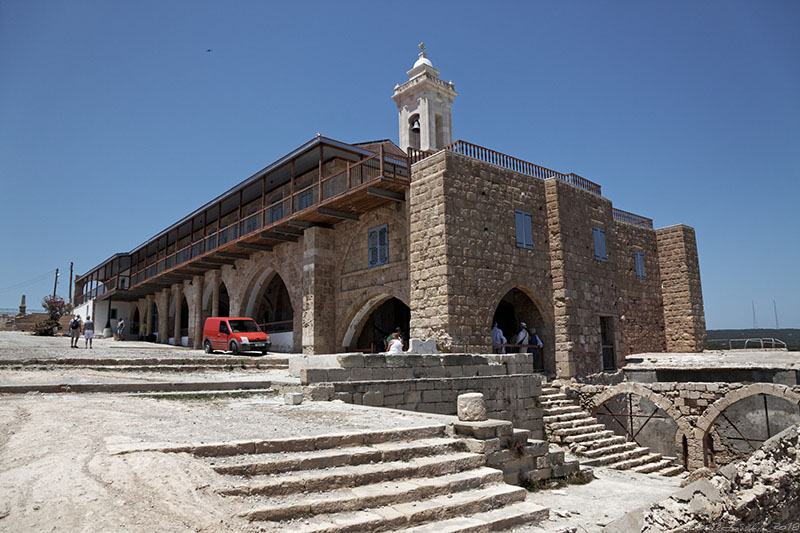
(424,105)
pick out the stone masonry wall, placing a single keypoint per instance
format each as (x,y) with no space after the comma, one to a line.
(584,287)
(640,305)
(464,257)
(432,383)
(684,318)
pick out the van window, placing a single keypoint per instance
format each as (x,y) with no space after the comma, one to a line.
(244,326)
(223,328)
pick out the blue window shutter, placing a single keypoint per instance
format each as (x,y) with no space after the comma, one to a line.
(372,245)
(522,221)
(519,220)
(528,231)
(599,244)
(383,245)
(639,260)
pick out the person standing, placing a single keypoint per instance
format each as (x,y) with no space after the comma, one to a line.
(498,340)
(395,343)
(522,338)
(88,332)
(120,329)
(75,331)
(536,349)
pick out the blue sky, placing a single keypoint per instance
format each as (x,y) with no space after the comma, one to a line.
(115,121)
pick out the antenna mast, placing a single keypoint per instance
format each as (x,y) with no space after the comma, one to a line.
(775,307)
(755,322)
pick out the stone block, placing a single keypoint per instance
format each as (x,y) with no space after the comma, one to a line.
(432,396)
(293,398)
(488,429)
(471,407)
(373,397)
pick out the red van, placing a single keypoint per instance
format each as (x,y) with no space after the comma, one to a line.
(235,334)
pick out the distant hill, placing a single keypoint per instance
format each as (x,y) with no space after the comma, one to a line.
(718,338)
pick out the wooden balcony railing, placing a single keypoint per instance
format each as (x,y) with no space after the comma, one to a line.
(338,184)
(630,218)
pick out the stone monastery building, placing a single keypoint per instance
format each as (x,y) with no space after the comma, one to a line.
(334,245)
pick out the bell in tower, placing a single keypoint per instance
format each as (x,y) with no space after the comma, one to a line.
(424,105)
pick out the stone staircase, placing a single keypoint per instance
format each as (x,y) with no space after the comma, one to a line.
(571,426)
(417,479)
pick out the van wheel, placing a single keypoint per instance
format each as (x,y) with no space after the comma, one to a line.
(234,348)
(263,352)
(207,347)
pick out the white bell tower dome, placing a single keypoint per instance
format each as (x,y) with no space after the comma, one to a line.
(424,105)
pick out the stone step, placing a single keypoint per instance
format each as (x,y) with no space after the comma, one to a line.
(411,513)
(655,466)
(588,436)
(276,463)
(636,461)
(610,450)
(579,430)
(563,417)
(553,396)
(616,458)
(368,496)
(179,368)
(562,410)
(502,519)
(551,390)
(671,471)
(578,422)
(588,445)
(352,476)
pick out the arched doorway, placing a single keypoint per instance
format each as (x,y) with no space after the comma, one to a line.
(224,301)
(515,308)
(272,310)
(370,335)
(184,322)
(154,323)
(639,419)
(136,323)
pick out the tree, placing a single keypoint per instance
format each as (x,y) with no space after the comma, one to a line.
(56,307)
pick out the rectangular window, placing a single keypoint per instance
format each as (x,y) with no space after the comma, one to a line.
(378,246)
(638,259)
(600,244)
(305,199)
(522,220)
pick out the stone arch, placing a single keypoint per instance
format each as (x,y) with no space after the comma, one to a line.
(684,428)
(545,329)
(706,421)
(360,311)
(254,288)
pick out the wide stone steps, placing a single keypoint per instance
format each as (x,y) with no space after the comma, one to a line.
(368,496)
(248,465)
(568,424)
(405,515)
(404,479)
(494,520)
(348,476)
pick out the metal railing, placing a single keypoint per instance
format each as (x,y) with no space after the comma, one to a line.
(630,218)
(512,163)
(761,344)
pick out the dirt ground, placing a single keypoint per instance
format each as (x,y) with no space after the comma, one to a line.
(60,470)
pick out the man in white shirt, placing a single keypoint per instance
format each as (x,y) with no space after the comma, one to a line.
(522,337)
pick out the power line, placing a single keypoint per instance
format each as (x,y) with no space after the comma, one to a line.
(23,284)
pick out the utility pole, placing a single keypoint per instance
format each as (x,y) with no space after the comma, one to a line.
(775,307)
(755,322)
(55,285)
(70,282)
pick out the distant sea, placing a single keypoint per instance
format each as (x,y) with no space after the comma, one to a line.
(10,310)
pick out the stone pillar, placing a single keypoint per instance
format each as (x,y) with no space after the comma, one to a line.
(684,317)
(177,293)
(22,307)
(163,316)
(148,314)
(195,300)
(319,306)
(215,295)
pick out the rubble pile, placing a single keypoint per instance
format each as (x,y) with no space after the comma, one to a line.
(762,491)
